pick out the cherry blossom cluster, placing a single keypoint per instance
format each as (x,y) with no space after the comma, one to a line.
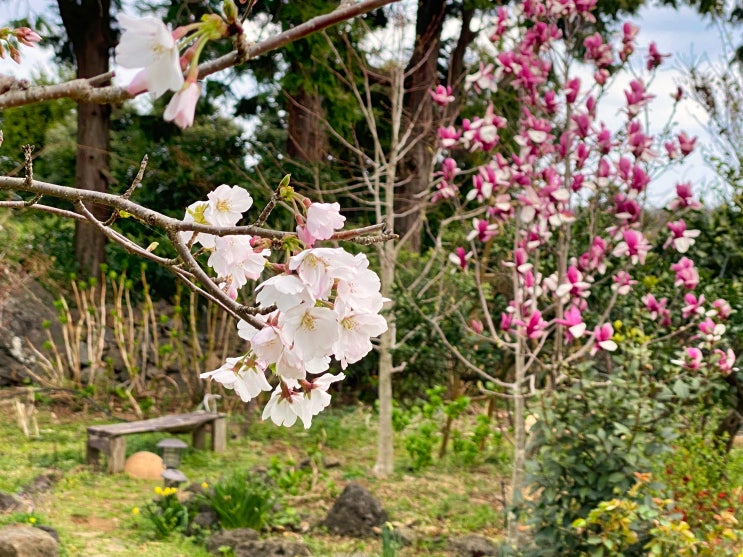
(567,163)
(323,303)
(164,56)
(12,39)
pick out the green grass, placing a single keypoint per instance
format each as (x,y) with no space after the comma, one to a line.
(92,511)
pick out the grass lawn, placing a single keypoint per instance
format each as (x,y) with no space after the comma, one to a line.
(92,511)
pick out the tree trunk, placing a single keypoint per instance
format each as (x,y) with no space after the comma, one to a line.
(88,26)
(421,77)
(307,140)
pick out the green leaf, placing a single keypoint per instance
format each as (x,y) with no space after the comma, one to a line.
(681,389)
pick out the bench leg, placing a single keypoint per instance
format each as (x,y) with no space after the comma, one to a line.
(219,435)
(92,453)
(117,455)
(198,437)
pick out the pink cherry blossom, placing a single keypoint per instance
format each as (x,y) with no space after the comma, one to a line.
(284,407)
(323,219)
(26,36)
(182,106)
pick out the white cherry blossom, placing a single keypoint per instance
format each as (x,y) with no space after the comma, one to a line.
(147,43)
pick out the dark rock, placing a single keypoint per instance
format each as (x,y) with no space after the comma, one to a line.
(24,306)
(49,530)
(472,546)
(355,513)
(9,503)
(43,482)
(274,547)
(230,538)
(205,519)
(27,541)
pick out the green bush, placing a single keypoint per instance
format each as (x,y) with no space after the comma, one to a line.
(167,514)
(592,435)
(241,502)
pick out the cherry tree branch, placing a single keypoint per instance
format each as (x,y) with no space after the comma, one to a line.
(89,91)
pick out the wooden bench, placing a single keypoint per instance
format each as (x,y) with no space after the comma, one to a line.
(110,439)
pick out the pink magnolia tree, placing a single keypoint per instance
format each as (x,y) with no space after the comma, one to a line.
(567,196)
(312,304)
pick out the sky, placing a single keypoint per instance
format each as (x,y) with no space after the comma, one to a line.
(682,33)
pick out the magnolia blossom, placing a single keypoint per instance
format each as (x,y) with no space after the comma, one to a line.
(623,283)
(686,274)
(722,308)
(694,305)
(602,339)
(725,361)
(442,95)
(681,238)
(460,257)
(147,43)
(711,331)
(573,321)
(634,246)
(691,359)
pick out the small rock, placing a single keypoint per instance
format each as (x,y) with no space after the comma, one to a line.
(144,465)
(274,547)
(205,519)
(27,541)
(230,538)
(355,513)
(43,482)
(9,503)
(472,546)
(49,530)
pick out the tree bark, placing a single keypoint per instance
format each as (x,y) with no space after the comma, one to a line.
(307,140)
(421,76)
(88,26)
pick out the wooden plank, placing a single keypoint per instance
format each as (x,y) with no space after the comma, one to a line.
(173,423)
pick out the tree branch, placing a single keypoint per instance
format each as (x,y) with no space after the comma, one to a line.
(86,90)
